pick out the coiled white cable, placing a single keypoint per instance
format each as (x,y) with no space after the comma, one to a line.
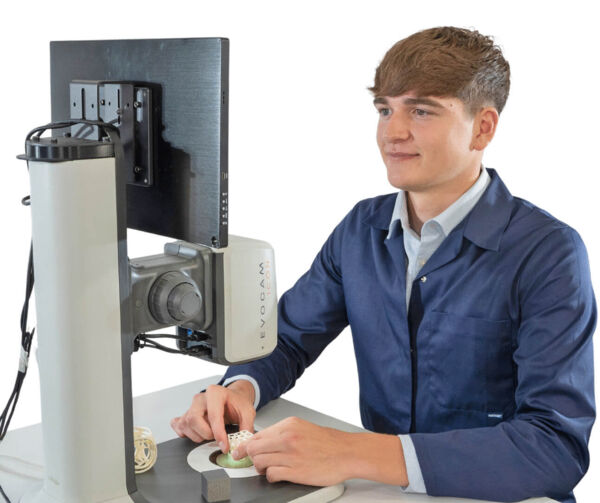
(146,451)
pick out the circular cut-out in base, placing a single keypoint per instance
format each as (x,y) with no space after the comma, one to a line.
(226,461)
(199,460)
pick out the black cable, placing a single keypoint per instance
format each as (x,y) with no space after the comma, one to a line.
(4,495)
(26,340)
(38,131)
(146,341)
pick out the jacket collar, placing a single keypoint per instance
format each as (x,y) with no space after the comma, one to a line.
(484,225)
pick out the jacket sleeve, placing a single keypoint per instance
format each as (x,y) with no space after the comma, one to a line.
(309,316)
(542,450)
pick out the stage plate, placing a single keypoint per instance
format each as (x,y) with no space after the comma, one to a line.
(173,479)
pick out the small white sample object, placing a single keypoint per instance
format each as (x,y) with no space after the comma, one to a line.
(238,438)
(235,440)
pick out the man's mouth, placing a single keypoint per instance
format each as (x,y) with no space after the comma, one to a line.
(401,155)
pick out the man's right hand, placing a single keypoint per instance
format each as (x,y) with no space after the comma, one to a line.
(217,406)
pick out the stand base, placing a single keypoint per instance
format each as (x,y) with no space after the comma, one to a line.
(173,479)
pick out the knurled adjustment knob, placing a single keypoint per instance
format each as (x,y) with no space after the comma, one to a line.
(174,298)
(184,302)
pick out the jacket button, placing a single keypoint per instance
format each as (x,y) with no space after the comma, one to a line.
(423,279)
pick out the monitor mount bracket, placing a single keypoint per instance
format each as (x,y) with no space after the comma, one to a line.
(128,107)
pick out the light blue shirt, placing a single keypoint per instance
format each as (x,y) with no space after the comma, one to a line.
(418,250)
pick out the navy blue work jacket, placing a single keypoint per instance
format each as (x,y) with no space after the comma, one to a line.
(491,369)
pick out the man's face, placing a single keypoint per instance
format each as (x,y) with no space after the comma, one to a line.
(425,141)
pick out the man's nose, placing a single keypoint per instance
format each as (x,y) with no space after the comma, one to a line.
(397,129)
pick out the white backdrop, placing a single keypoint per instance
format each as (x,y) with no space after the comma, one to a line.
(302,139)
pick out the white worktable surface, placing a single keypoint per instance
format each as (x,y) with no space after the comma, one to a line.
(155,411)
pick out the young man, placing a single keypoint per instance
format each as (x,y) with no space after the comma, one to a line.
(472,311)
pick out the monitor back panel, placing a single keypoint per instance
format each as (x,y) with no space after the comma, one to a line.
(189,79)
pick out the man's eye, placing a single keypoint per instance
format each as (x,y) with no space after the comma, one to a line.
(419,112)
(384,111)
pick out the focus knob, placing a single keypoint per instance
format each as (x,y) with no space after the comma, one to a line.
(184,302)
(174,298)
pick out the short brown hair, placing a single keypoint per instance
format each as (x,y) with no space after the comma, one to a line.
(446,62)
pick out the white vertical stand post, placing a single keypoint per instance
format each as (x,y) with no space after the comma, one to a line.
(76,264)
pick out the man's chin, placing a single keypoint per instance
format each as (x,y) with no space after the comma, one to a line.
(405,178)
(403,183)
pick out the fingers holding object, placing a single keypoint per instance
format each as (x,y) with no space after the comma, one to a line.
(215,406)
(259,446)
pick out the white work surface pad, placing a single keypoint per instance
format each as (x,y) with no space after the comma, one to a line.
(21,454)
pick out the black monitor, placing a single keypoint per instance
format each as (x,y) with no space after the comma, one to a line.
(183,194)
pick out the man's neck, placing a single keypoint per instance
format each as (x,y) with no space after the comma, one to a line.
(427,204)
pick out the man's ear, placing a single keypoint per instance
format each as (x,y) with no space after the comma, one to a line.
(484,127)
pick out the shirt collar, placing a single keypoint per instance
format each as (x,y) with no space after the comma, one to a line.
(485,224)
(451,216)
